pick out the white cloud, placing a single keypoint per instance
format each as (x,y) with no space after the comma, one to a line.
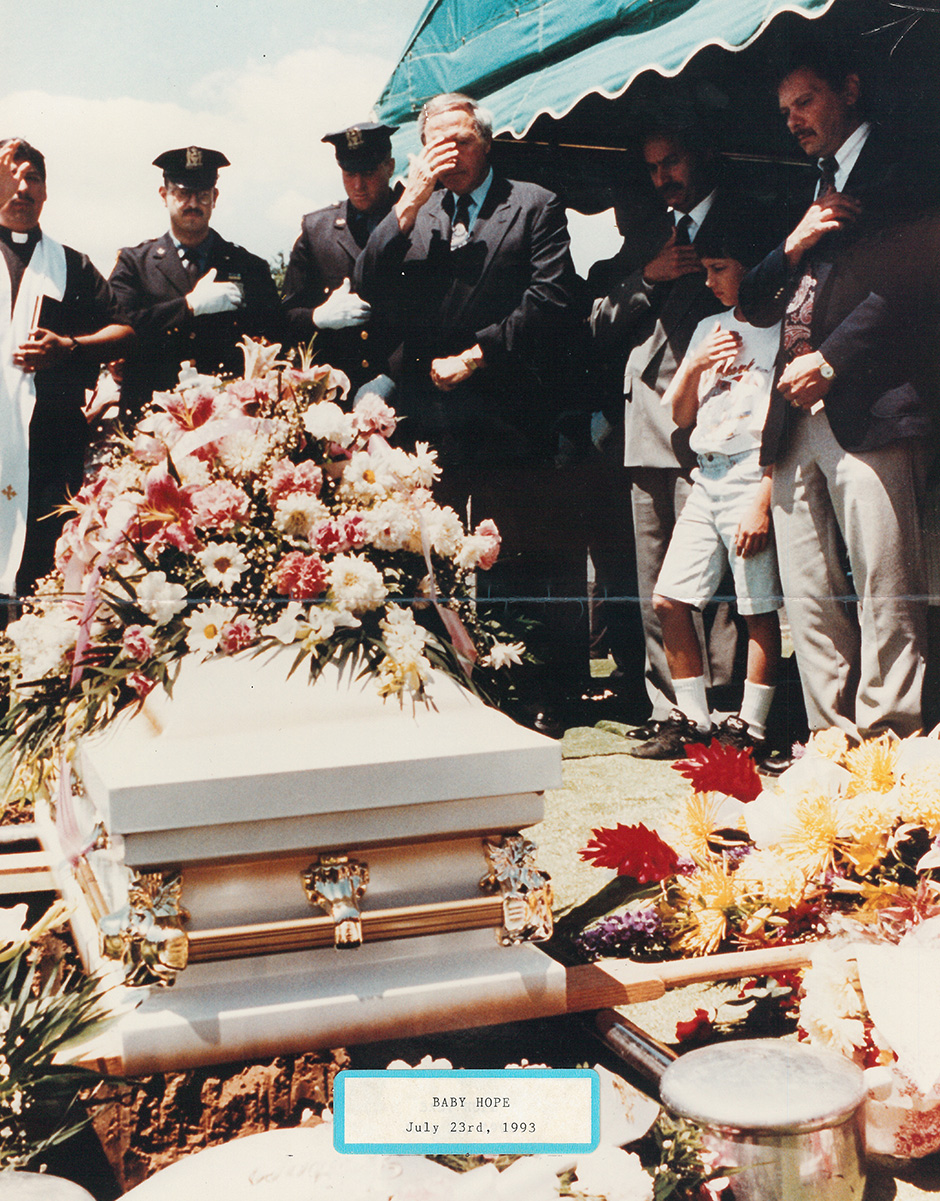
(267,119)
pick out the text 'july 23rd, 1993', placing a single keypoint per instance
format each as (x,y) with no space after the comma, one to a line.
(438,1111)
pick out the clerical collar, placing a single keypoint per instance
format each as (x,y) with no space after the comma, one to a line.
(13,237)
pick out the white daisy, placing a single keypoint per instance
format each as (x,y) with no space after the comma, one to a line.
(223,564)
(356,584)
(205,627)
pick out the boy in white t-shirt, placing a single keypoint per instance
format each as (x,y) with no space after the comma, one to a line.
(722,388)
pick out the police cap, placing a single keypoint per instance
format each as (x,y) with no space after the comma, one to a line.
(362,147)
(191,166)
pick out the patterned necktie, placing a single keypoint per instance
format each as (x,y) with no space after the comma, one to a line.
(682,230)
(460,226)
(827,175)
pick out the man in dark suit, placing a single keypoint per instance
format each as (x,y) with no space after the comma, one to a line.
(649,316)
(849,417)
(475,271)
(58,320)
(190,294)
(318,299)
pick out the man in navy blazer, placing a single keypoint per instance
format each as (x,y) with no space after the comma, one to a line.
(474,272)
(849,415)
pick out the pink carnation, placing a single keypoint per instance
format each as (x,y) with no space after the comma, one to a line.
(237,634)
(487,529)
(300,576)
(137,643)
(141,684)
(356,530)
(373,416)
(329,537)
(220,506)
(287,478)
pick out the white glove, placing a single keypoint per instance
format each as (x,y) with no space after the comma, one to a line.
(342,309)
(209,296)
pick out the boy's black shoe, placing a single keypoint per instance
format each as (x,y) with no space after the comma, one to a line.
(646,730)
(674,736)
(733,731)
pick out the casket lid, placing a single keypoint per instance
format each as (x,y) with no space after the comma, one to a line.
(240,741)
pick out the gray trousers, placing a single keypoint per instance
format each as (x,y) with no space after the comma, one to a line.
(860,644)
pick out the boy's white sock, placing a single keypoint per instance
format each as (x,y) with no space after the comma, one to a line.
(691,700)
(755,706)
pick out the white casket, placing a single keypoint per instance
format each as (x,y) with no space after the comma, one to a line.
(254,823)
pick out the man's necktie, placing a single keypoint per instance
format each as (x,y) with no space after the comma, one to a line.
(827,174)
(460,226)
(682,230)
(192,265)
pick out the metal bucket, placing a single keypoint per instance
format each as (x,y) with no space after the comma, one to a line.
(789,1116)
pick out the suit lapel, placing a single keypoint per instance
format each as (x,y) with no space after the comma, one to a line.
(165,258)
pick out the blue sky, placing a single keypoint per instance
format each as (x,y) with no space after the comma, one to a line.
(104,86)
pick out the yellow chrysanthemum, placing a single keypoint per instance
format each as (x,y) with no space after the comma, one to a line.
(813,833)
(872,765)
(831,744)
(867,818)
(707,898)
(918,798)
(695,820)
(773,877)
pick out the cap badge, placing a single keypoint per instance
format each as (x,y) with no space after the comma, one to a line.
(193,158)
(354,138)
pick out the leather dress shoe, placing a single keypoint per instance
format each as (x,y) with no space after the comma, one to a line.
(647,730)
(774,765)
(676,734)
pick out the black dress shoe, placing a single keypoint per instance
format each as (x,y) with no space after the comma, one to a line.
(647,730)
(733,732)
(774,765)
(548,722)
(676,734)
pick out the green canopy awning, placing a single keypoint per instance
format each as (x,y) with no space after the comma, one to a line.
(525,58)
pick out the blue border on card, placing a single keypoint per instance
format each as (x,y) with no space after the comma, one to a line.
(351,1147)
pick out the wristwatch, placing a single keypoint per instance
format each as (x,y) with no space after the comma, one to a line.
(826,370)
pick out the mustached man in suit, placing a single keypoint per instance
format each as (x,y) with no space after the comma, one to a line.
(650,315)
(476,272)
(849,418)
(190,294)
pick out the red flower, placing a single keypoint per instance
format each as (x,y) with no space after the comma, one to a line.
(633,851)
(300,576)
(720,768)
(698,1030)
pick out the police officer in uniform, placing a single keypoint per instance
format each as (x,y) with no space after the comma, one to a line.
(317,296)
(190,295)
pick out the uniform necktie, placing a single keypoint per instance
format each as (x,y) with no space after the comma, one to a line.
(192,265)
(827,174)
(460,226)
(682,230)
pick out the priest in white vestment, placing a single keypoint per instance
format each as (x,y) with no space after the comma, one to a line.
(58,322)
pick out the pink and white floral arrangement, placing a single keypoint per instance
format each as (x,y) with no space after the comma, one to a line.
(244,515)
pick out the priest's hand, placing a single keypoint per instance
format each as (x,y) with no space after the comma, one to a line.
(211,296)
(43,349)
(8,180)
